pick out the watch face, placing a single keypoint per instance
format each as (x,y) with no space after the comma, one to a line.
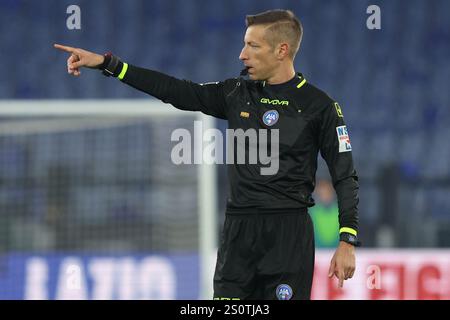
(349,238)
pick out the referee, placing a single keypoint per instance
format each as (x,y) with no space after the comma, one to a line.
(267,244)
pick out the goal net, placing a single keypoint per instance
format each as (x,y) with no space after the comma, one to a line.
(92,207)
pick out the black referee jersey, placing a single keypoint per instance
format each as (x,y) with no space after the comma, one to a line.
(308,122)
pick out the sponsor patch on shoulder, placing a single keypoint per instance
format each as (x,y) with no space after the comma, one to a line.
(344,139)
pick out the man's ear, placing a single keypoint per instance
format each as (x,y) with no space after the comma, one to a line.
(283,50)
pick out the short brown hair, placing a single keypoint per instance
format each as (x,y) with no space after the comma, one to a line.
(283,25)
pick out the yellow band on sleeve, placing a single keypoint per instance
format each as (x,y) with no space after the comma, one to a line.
(301,84)
(124,71)
(348,230)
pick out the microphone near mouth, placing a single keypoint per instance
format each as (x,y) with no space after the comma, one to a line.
(244,71)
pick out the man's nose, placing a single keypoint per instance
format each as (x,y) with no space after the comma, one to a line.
(243,56)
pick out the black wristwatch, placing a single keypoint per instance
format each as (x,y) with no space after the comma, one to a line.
(349,238)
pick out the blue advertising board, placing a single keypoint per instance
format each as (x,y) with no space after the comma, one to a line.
(99,277)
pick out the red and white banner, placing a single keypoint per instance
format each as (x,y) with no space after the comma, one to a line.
(387,275)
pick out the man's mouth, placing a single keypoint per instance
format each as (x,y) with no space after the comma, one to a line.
(246,70)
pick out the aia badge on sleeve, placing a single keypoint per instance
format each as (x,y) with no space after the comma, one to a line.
(270,117)
(344,139)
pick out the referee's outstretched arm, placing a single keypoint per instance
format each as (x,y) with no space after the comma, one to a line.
(207,98)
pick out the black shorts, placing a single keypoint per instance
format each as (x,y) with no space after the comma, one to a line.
(265,256)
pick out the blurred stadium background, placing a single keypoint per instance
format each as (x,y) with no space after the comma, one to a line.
(91,206)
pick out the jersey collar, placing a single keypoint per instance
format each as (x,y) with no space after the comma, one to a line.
(297,81)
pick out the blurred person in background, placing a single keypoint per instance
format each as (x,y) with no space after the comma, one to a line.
(267,245)
(325,216)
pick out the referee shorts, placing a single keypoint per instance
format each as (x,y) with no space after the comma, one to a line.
(265,256)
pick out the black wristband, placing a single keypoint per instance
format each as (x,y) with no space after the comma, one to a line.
(349,238)
(111,66)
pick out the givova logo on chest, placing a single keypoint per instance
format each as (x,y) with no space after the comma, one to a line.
(274,102)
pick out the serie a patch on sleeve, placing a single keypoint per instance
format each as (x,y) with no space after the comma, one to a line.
(344,139)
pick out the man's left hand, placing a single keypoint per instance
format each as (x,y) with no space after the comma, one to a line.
(343,263)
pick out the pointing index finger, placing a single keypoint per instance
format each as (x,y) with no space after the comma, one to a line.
(64,48)
(341,280)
